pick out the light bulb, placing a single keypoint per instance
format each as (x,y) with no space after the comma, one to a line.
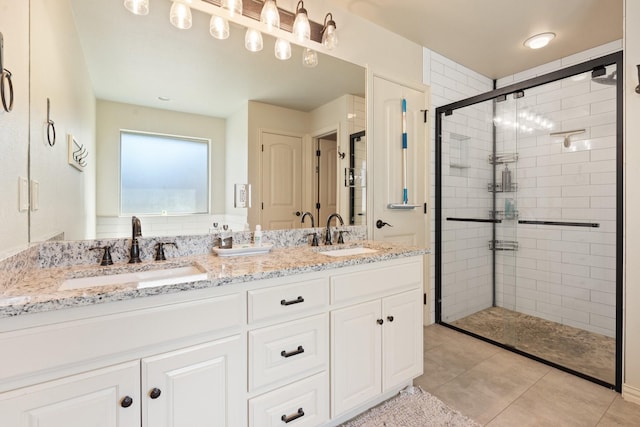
(253,40)
(219,27)
(233,6)
(309,58)
(137,7)
(283,49)
(180,14)
(301,26)
(329,33)
(270,15)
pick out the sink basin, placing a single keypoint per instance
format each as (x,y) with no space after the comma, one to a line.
(143,279)
(348,252)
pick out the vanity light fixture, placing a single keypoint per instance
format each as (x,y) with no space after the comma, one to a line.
(253,40)
(329,34)
(233,6)
(309,58)
(282,49)
(137,7)
(539,40)
(219,27)
(270,15)
(301,26)
(180,14)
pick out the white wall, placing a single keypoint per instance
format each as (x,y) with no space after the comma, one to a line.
(58,72)
(631,380)
(237,154)
(14,127)
(113,117)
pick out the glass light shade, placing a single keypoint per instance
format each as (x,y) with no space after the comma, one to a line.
(330,37)
(309,58)
(283,49)
(180,15)
(233,6)
(137,7)
(219,27)
(301,26)
(270,15)
(253,40)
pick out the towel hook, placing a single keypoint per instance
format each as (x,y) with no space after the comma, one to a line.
(51,126)
(5,80)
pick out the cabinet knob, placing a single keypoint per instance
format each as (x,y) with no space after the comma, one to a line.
(380,321)
(126,402)
(155,393)
(390,318)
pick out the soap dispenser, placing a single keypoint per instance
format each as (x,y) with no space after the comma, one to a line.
(257,236)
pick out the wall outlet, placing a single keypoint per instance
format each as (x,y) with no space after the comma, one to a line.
(242,196)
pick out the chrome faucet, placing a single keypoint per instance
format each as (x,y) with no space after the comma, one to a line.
(136,231)
(304,215)
(327,236)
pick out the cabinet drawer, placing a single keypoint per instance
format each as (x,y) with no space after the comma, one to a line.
(377,281)
(306,401)
(284,300)
(288,351)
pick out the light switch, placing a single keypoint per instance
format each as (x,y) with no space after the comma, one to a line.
(242,196)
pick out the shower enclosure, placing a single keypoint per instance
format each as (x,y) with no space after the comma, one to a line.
(529,218)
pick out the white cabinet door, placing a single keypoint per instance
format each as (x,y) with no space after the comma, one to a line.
(108,397)
(356,338)
(197,386)
(402,351)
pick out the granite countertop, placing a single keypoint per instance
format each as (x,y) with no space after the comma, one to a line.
(38,291)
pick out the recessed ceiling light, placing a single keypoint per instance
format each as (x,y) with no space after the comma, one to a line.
(164,98)
(539,40)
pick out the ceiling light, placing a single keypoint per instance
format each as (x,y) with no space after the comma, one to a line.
(329,34)
(180,14)
(309,58)
(539,40)
(270,15)
(301,26)
(137,7)
(233,6)
(219,27)
(253,40)
(283,49)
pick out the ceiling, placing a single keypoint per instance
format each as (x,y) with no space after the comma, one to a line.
(487,35)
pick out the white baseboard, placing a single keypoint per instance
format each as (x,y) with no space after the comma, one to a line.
(631,394)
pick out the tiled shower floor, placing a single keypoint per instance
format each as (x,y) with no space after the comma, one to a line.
(586,352)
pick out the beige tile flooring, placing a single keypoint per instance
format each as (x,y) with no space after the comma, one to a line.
(499,388)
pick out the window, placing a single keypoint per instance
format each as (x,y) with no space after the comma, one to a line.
(163,174)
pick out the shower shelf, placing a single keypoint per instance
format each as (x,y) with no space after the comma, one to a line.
(502,215)
(503,245)
(497,187)
(498,159)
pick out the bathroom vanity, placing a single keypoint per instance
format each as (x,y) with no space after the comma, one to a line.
(292,336)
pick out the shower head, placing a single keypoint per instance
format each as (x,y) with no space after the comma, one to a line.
(610,80)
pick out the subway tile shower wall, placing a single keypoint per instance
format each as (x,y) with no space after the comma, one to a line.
(563,274)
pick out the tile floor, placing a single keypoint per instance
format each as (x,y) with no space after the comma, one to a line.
(499,388)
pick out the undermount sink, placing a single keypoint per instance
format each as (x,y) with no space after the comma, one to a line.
(143,279)
(348,251)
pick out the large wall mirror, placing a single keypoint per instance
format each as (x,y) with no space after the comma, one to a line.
(98,70)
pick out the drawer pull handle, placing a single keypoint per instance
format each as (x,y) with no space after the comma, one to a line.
(288,419)
(300,349)
(155,393)
(295,301)
(126,402)
(390,318)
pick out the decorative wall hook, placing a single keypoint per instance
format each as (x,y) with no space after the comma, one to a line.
(51,126)
(638,87)
(77,153)
(5,80)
